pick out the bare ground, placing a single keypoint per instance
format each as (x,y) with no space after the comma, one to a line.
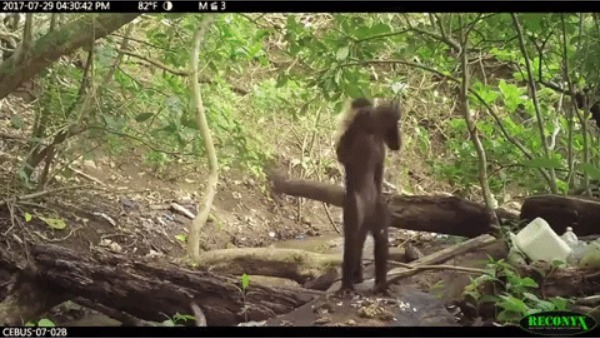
(130,215)
(128,212)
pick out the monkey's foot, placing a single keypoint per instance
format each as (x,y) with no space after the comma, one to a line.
(381,289)
(346,292)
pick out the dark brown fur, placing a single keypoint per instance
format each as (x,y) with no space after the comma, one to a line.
(582,101)
(361,151)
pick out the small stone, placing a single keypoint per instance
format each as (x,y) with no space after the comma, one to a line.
(89,163)
(115,247)
(322,321)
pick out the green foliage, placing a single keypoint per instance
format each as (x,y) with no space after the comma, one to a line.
(514,295)
(260,71)
(44,322)
(245,281)
(340,58)
(54,223)
(178,320)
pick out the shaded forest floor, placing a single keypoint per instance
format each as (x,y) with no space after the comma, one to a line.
(123,207)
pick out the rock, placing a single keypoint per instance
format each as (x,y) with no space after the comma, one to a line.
(322,321)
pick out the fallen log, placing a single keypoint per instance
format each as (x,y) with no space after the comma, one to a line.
(148,292)
(566,282)
(27,298)
(298,265)
(22,297)
(563,211)
(441,214)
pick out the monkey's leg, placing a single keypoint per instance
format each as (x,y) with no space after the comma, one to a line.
(361,236)
(380,236)
(348,263)
(381,259)
(352,219)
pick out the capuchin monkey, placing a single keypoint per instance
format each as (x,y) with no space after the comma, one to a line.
(363,131)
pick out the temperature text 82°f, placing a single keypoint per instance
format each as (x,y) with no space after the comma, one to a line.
(148,6)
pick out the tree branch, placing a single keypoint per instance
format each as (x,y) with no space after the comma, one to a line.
(179,72)
(536,104)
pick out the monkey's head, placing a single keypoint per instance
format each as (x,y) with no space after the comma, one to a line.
(381,119)
(386,117)
(361,102)
(354,111)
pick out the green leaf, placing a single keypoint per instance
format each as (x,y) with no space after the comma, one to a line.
(189,123)
(46,323)
(589,169)
(512,304)
(171,128)
(168,323)
(508,316)
(245,281)
(181,238)
(157,35)
(342,53)
(532,22)
(545,305)
(16,121)
(54,223)
(143,117)
(183,318)
(486,93)
(559,303)
(380,28)
(28,217)
(337,78)
(502,54)
(531,296)
(528,283)
(545,163)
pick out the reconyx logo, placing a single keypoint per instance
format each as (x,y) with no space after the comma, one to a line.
(558,323)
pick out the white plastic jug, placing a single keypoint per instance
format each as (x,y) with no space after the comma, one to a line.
(539,242)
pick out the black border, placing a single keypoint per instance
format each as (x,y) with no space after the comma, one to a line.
(315,6)
(409,6)
(123,6)
(313,331)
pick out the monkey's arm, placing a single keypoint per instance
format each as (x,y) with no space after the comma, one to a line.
(342,149)
(393,139)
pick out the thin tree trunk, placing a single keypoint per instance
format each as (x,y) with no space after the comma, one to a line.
(210,191)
